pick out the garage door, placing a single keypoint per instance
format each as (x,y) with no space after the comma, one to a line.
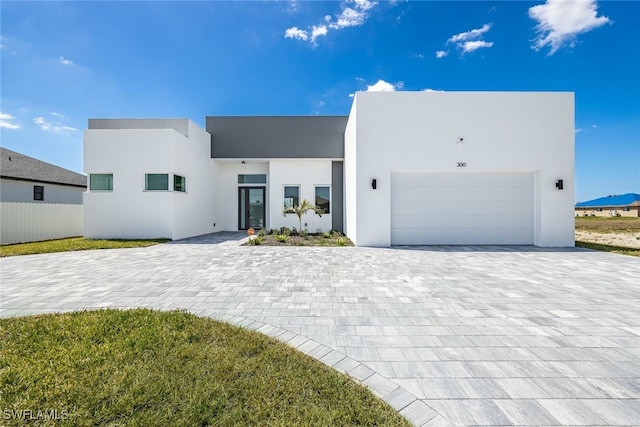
(461,209)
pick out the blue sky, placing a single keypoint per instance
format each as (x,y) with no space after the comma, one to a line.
(65,62)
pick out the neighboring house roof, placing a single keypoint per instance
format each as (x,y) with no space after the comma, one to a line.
(629,199)
(17,166)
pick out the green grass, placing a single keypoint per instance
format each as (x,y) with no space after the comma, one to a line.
(608,248)
(73,244)
(149,368)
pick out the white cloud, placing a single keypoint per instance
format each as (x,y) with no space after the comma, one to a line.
(295,33)
(317,31)
(431,90)
(468,41)
(470,46)
(65,61)
(6,122)
(52,127)
(354,13)
(53,113)
(594,126)
(469,35)
(382,86)
(578,130)
(559,22)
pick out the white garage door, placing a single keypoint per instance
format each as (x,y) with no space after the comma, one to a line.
(461,209)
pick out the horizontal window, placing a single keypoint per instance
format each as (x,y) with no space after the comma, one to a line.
(179,183)
(101,182)
(38,192)
(156,182)
(252,179)
(291,196)
(323,198)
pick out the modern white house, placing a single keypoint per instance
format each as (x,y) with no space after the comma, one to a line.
(403,168)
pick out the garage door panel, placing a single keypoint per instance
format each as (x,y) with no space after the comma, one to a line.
(444,236)
(461,194)
(433,222)
(463,208)
(410,207)
(461,180)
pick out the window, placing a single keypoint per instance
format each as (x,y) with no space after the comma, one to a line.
(156,182)
(323,198)
(179,183)
(38,192)
(626,209)
(101,182)
(291,196)
(252,179)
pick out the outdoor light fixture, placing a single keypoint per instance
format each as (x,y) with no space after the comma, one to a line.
(243,163)
(559,184)
(460,140)
(374,184)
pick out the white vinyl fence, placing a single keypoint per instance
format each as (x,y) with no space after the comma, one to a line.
(32,222)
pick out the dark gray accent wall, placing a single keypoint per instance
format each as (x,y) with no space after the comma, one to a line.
(288,137)
(179,125)
(337,198)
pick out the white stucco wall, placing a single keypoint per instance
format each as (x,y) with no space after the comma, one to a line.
(306,173)
(22,191)
(418,132)
(131,212)
(350,178)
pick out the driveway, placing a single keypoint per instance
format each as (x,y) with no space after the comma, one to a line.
(446,335)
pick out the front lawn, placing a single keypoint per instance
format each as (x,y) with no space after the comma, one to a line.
(609,248)
(151,368)
(608,225)
(73,244)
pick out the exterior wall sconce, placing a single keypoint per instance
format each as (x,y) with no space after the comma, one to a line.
(374,183)
(460,140)
(243,163)
(559,184)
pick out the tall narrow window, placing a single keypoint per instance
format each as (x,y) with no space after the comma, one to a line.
(101,182)
(38,192)
(156,182)
(179,183)
(291,196)
(323,198)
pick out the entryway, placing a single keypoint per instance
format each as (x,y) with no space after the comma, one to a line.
(251,210)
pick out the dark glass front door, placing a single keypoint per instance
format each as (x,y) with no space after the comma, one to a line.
(251,210)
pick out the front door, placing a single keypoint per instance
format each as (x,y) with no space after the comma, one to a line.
(251,211)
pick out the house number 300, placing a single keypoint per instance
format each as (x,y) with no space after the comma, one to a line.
(462,164)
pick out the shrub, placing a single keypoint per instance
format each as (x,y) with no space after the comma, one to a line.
(326,235)
(261,233)
(282,238)
(256,240)
(342,241)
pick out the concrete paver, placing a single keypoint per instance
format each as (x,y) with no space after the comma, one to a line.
(447,335)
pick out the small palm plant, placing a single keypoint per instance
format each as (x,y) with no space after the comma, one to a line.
(303,209)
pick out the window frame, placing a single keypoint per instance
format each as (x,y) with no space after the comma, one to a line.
(252,183)
(146,182)
(101,190)
(184,183)
(284,198)
(41,188)
(315,196)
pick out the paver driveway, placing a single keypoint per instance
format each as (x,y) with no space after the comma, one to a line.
(447,335)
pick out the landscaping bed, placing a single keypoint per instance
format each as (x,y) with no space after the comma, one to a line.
(287,237)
